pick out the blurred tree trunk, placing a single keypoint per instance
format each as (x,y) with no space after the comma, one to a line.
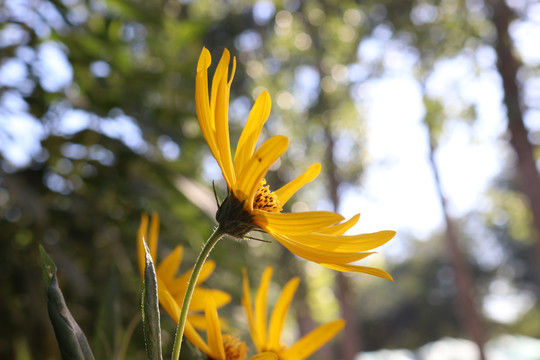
(468,313)
(351,344)
(302,309)
(508,66)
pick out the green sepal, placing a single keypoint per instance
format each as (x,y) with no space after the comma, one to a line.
(71,339)
(150,310)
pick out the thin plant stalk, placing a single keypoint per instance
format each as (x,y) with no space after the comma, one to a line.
(208,246)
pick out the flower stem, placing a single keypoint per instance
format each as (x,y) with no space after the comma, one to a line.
(212,240)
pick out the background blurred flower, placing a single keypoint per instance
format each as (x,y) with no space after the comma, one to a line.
(267,338)
(171,288)
(223,347)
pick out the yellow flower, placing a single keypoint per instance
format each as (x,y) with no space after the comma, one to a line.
(250,204)
(171,288)
(220,346)
(268,339)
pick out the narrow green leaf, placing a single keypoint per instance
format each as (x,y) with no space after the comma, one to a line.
(150,310)
(48,267)
(71,340)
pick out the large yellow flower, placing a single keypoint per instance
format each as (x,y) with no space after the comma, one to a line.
(314,235)
(268,339)
(171,288)
(223,347)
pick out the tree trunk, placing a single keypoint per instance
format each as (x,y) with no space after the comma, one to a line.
(351,344)
(507,66)
(467,311)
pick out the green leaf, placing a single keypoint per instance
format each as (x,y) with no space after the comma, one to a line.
(150,310)
(48,267)
(71,340)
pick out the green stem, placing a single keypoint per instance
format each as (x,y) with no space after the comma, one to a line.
(212,240)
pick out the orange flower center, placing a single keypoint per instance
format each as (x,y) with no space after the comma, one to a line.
(235,349)
(266,200)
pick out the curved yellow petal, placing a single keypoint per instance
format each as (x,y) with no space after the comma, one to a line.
(260,305)
(141,236)
(199,322)
(344,243)
(205,113)
(179,284)
(168,268)
(285,192)
(318,255)
(202,102)
(213,330)
(193,336)
(220,109)
(247,304)
(246,144)
(295,223)
(153,236)
(361,269)
(200,296)
(168,302)
(281,308)
(340,229)
(312,341)
(257,166)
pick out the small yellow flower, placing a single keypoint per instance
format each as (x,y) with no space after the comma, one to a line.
(171,288)
(267,339)
(313,235)
(223,347)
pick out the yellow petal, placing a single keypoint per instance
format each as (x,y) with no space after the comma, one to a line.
(220,102)
(362,269)
(200,296)
(179,284)
(312,341)
(288,190)
(199,322)
(340,229)
(260,305)
(222,66)
(257,166)
(167,301)
(195,338)
(168,268)
(265,356)
(247,304)
(281,308)
(202,103)
(295,223)
(344,243)
(246,144)
(318,255)
(154,235)
(141,235)
(207,270)
(213,330)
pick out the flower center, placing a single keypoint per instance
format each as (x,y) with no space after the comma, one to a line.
(265,199)
(235,349)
